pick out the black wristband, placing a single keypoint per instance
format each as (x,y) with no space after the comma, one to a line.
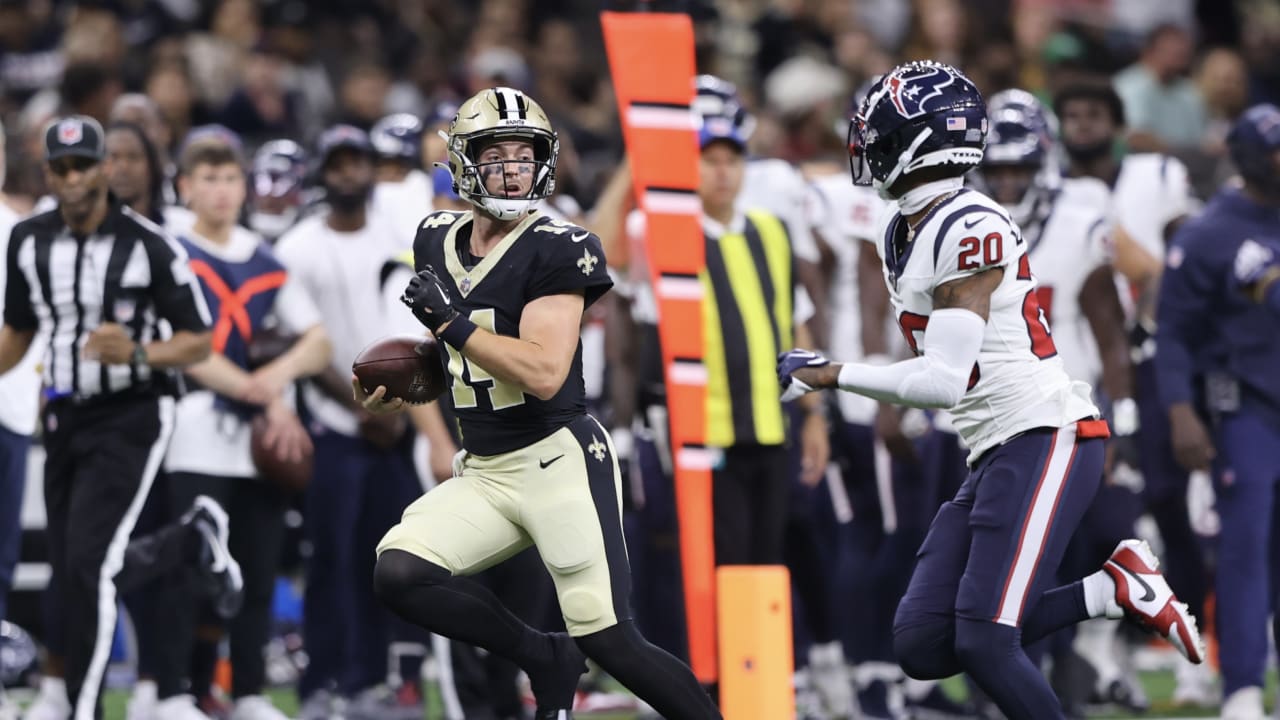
(458,331)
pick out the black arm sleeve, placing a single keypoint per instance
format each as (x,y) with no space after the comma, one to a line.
(18,311)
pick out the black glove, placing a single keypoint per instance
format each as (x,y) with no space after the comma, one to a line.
(428,299)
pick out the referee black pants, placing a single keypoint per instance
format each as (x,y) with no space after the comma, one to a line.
(102,459)
(749,499)
(255,512)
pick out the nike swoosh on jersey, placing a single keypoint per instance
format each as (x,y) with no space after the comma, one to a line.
(579,237)
(970,223)
(544,464)
(1150,594)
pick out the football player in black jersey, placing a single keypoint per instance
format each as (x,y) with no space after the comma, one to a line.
(504,288)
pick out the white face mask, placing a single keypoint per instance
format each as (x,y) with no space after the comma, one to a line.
(272,226)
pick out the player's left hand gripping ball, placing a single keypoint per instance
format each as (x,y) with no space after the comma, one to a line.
(428,299)
(791,361)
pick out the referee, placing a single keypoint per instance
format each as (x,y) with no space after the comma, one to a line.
(120,308)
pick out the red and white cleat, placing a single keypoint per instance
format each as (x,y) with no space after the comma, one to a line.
(1146,598)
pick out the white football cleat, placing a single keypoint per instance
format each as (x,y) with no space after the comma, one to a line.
(830,677)
(256,707)
(1195,686)
(1146,598)
(1244,704)
(179,707)
(51,703)
(142,701)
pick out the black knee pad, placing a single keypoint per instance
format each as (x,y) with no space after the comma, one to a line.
(926,651)
(397,571)
(980,643)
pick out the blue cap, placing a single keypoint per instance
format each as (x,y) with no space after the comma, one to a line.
(1253,141)
(721,127)
(442,183)
(338,137)
(215,133)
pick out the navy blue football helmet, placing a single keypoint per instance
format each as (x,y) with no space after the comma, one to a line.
(1253,143)
(1022,135)
(921,114)
(398,137)
(279,168)
(276,178)
(716,102)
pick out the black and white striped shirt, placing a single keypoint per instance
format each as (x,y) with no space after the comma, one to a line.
(128,271)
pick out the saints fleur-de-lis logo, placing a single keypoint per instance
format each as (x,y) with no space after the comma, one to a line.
(596,447)
(587,262)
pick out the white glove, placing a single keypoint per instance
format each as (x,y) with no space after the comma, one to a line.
(1200,504)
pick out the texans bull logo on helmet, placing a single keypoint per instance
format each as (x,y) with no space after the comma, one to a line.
(912,87)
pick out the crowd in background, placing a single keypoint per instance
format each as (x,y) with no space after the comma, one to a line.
(272,70)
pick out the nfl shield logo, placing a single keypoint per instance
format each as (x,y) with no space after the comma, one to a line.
(465,287)
(123,309)
(70,132)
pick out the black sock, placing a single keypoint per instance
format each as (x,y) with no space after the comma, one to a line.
(428,596)
(204,660)
(650,672)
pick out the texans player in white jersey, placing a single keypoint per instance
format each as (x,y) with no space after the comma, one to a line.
(889,460)
(1150,197)
(961,285)
(1066,223)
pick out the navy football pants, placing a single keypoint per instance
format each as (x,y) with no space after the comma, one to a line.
(13,480)
(1246,476)
(356,494)
(981,587)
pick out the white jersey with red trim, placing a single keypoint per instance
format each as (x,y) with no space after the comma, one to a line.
(846,216)
(1074,240)
(1018,382)
(1151,191)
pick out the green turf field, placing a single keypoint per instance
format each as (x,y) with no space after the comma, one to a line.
(1159,686)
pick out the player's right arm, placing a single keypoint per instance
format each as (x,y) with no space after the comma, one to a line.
(939,376)
(968,271)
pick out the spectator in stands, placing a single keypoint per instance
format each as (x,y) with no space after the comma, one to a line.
(1223,79)
(262,107)
(362,97)
(90,89)
(217,56)
(174,92)
(29,36)
(1164,109)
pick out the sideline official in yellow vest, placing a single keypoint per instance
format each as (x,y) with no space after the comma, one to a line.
(753,307)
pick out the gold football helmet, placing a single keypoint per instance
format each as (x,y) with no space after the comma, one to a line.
(496,115)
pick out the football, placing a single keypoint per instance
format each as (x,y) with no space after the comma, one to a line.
(292,477)
(409,367)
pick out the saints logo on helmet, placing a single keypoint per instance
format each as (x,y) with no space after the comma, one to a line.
(501,115)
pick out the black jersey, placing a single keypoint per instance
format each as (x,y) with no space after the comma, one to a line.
(539,257)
